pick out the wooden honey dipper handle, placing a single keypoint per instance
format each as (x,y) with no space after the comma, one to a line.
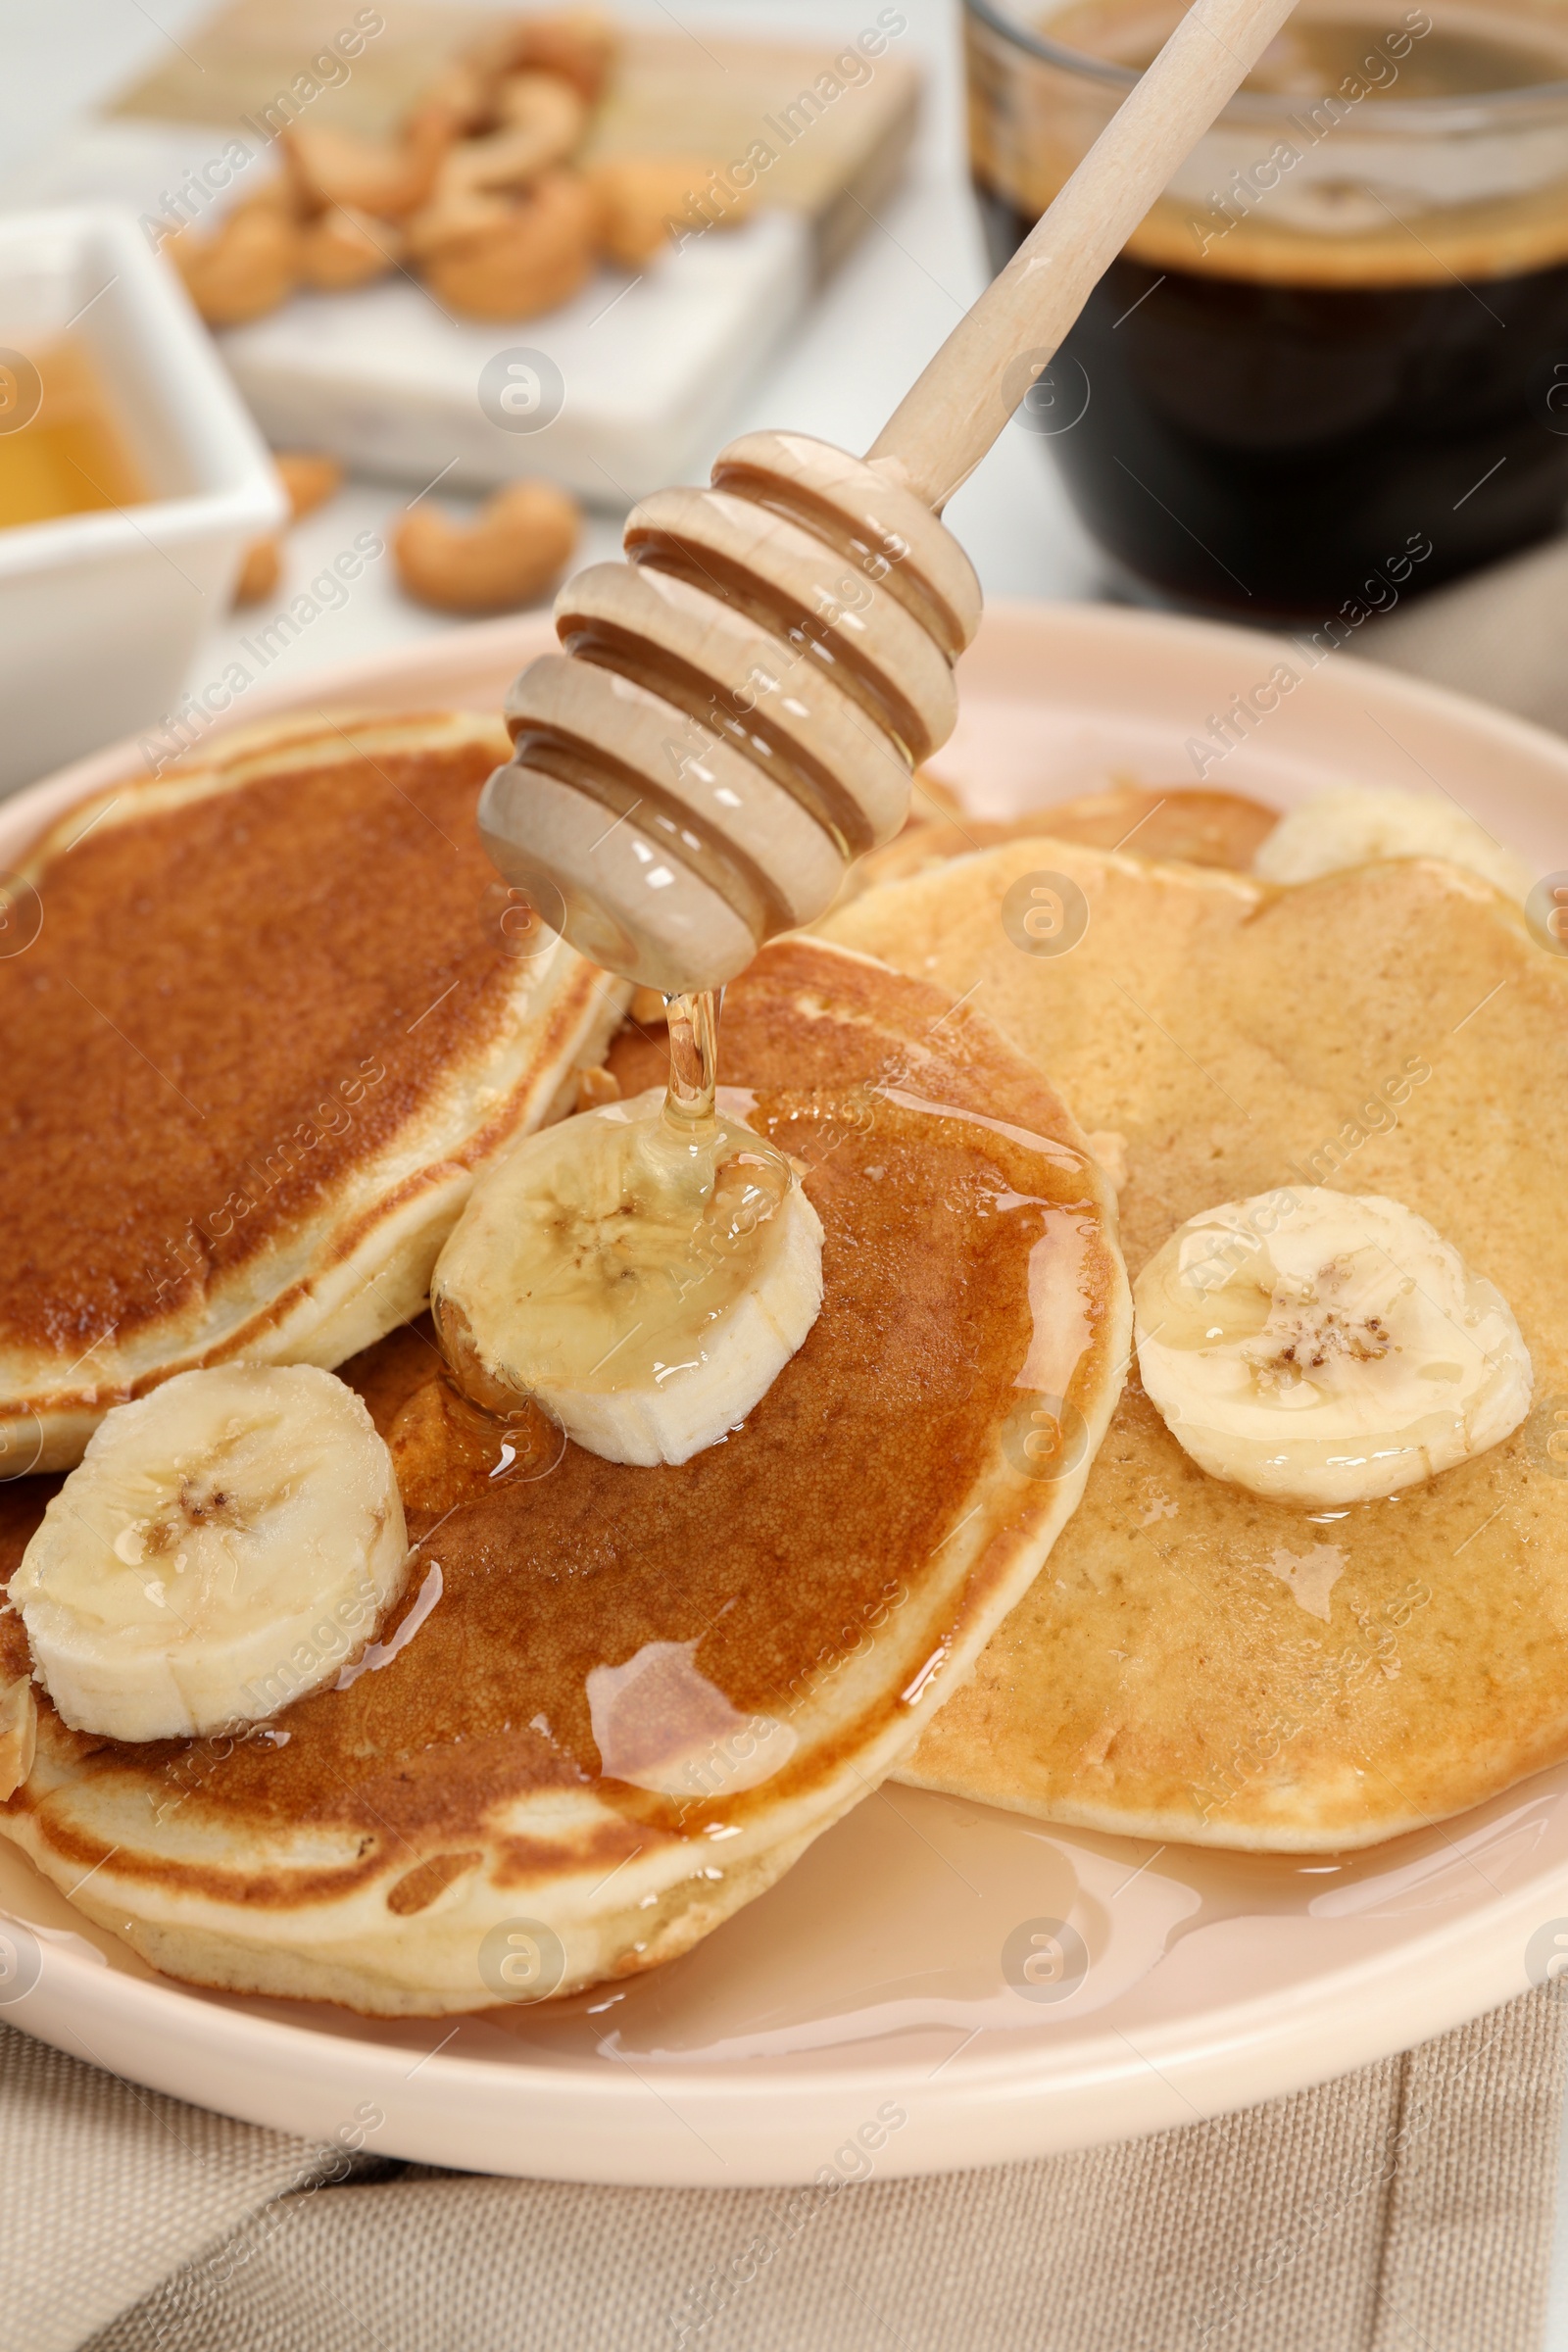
(739,707)
(948,420)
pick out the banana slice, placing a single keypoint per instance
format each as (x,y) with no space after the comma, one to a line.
(1326,1347)
(225,1546)
(1356,824)
(18,1735)
(645,1285)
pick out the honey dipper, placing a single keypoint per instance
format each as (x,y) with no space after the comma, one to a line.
(739,705)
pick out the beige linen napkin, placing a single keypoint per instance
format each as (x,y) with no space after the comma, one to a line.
(1405,2208)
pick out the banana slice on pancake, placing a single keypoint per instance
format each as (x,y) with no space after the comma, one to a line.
(225,1546)
(645,1282)
(1325,1347)
(1352,824)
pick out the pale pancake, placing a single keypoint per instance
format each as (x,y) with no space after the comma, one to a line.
(1172,821)
(630,1697)
(270,1026)
(1200,1664)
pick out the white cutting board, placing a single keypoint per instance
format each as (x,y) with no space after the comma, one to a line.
(386,381)
(648,368)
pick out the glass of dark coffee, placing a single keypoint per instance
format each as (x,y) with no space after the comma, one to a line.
(1332,362)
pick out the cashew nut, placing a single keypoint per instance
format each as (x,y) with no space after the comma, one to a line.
(345,248)
(547,125)
(640,197)
(330,166)
(247,267)
(495,259)
(515,547)
(579,44)
(499,229)
(260,569)
(309,478)
(455,220)
(308,482)
(507,159)
(546,107)
(455,106)
(274,195)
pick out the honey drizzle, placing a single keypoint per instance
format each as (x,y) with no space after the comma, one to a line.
(689,1096)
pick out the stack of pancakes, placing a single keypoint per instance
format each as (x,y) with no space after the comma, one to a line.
(615,1703)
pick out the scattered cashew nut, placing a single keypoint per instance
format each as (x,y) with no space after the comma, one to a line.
(247,267)
(498,227)
(345,248)
(579,44)
(309,481)
(455,219)
(329,167)
(309,478)
(495,259)
(517,546)
(455,106)
(639,196)
(260,570)
(545,109)
(506,159)
(545,125)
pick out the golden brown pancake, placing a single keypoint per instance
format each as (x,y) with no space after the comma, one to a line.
(1174,822)
(274,1019)
(1200,1663)
(634,1696)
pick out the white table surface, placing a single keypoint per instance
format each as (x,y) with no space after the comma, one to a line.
(918,266)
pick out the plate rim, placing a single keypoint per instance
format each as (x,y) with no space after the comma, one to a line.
(583,2118)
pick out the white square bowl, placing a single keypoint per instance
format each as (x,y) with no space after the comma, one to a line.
(100,614)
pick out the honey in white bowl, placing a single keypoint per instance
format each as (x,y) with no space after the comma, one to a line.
(63,450)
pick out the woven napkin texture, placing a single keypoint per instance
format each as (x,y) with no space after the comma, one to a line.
(1405,2208)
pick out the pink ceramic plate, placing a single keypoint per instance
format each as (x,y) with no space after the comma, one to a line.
(859,2016)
